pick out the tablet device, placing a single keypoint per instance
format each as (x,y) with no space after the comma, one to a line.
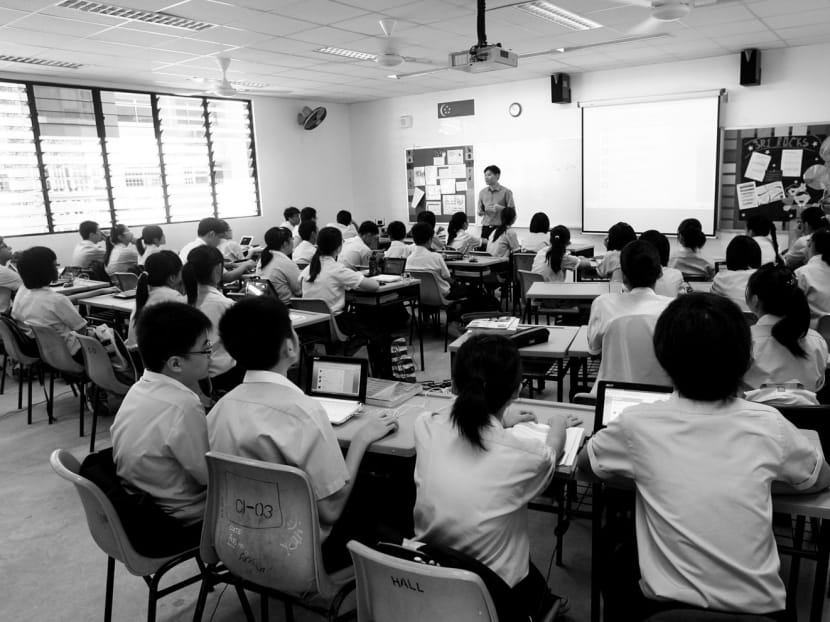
(614,397)
(246,240)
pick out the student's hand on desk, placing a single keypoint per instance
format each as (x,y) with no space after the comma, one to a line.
(572,421)
(376,428)
(515,415)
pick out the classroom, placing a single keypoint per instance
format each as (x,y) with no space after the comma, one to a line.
(334,132)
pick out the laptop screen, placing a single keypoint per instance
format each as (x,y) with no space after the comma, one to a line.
(338,377)
(615,397)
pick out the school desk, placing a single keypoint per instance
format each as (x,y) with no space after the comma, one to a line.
(567,291)
(578,355)
(80,286)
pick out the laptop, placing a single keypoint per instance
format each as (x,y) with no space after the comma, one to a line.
(614,397)
(394,265)
(338,384)
(256,287)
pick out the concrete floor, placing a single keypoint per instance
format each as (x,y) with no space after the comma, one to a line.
(52,570)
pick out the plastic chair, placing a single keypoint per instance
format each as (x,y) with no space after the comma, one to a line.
(823,328)
(528,278)
(432,301)
(101,373)
(9,333)
(106,529)
(261,523)
(318,305)
(125,280)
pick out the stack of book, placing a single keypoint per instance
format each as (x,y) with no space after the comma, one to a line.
(506,325)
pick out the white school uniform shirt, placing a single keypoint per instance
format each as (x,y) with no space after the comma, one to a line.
(348,231)
(10,281)
(189,247)
(283,274)
(331,283)
(504,245)
(292,228)
(230,250)
(155,295)
(608,307)
(774,364)
(149,249)
(732,284)
(609,266)
(86,252)
(304,251)
(398,250)
(213,304)
(354,253)
(159,441)
(671,283)
(690,261)
(476,501)
(814,279)
(45,307)
(799,252)
(465,241)
(123,258)
(767,250)
(422,258)
(703,472)
(269,418)
(541,266)
(533,242)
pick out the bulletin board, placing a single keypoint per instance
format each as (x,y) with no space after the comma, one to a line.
(440,179)
(764,166)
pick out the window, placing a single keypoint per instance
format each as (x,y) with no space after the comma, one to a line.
(231,137)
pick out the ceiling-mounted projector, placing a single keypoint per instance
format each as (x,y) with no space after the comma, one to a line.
(481,58)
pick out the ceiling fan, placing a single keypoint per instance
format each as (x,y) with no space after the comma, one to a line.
(665,11)
(226,88)
(388,55)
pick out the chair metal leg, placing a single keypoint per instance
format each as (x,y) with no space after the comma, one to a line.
(201,600)
(289,612)
(3,381)
(263,608)
(108,597)
(20,392)
(50,400)
(81,409)
(95,396)
(246,606)
(795,562)
(29,378)
(152,599)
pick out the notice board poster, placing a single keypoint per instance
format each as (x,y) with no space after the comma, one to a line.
(440,179)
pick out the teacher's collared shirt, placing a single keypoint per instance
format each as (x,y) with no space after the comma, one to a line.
(492,201)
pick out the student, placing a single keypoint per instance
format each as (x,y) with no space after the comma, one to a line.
(37,303)
(762,229)
(812,219)
(492,200)
(422,258)
(356,251)
(504,240)
(159,435)
(10,280)
(122,255)
(784,347)
(304,250)
(161,281)
(89,249)
(688,258)
(814,277)
(397,248)
(211,232)
(671,282)
(292,219)
(306,214)
(202,275)
(458,235)
(618,236)
(539,233)
(703,463)
(343,222)
(474,476)
(231,250)
(554,259)
(743,258)
(640,265)
(269,418)
(151,241)
(439,238)
(275,264)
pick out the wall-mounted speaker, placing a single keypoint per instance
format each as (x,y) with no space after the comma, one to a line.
(750,67)
(560,88)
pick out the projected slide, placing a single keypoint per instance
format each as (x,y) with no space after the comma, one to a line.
(650,164)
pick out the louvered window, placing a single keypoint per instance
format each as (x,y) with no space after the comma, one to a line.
(232,146)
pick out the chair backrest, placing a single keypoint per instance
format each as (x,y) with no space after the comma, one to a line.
(10,334)
(628,352)
(430,293)
(99,366)
(523,261)
(261,522)
(318,305)
(810,418)
(54,352)
(392,589)
(526,279)
(702,615)
(823,328)
(125,280)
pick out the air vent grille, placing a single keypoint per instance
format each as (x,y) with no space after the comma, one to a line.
(151,17)
(43,62)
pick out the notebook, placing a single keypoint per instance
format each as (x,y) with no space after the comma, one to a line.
(614,397)
(127,294)
(387,278)
(338,384)
(389,393)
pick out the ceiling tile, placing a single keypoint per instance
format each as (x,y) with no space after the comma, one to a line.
(58,25)
(129,36)
(267,23)
(821,16)
(333,11)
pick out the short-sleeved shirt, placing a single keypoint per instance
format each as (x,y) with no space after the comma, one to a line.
(464,241)
(799,252)
(86,252)
(732,284)
(269,418)
(767,249)
(283,274)
(123,258)
(231,250)
(506,243)
(476,501)
(331,283)
(304,251)
(491,201)
(213,304)
(542,266)
(421,258)
(348,231)
(690,261)
(703,472)
(189,247)
(159,441)
(398,250)
(9,282)
(354,253)
(534,242)
(45,307)
(609,267)
(608,307)
(149,249)
(670,283)
(814,279)
(155,296)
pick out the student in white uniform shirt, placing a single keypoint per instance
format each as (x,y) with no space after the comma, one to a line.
(553,260)
(122,255)
(439,237)
(785,348)
(202,277)
(503,240)
(307,245)
(275,264)
(458,236)
(10,280)
(538,233)
(762,229)
(211,232)
(292,219)
(703,464)
(397,248)
(688,257)
(814,277)
(812,219)
(152,240)
(671,282)
(618,236)
(269,418)
(161,281)
(422,258)
(343,222)
(356,251)
(474,476)
(743,258)
(159,435)
(89,249)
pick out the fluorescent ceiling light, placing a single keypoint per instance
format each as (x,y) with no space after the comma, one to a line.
(158,18)
(43,62)
(557,15)
(347,53)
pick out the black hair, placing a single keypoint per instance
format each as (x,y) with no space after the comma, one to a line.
(486,374)
(560,237)
(660,242)
(116,232)
(703,342)
(493,169)
(308,213)
(217,225)
(396,230)
(821,243)
(422,233)
(640,264)
(779,294)
(815,218)
(743,253)
(457,222)
(539,223)
(368,227)
(427,217)
(306,228)
(761,226)
(158,268)
(254,329)
(619,235)
(198,270)
(87,228)
(690,234)
(149,235)
(168,329)
(36,267)
(508,217)
(344,217)
(290,212)
(275,239)
(329,239)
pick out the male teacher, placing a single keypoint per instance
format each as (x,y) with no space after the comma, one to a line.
(492,200)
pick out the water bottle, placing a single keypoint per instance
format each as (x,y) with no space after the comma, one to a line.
(373,265)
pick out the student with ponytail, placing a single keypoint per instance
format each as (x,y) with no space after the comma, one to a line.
(504,240)
(552,261)
(814,277)
(688,258)
(458,237)
(762,229)
(474,476)
(151,240)
(743,258)
(812,219)
(161,281)
(276,265)
(121,255)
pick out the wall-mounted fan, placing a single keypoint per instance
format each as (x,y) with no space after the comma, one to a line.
(226,88)
(310,119)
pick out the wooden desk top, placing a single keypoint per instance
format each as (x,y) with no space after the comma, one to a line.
(568,291)
(560,338)
(701,286)
(109,301)
(301,319)
(80,285)
(482,263)
(579,346)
